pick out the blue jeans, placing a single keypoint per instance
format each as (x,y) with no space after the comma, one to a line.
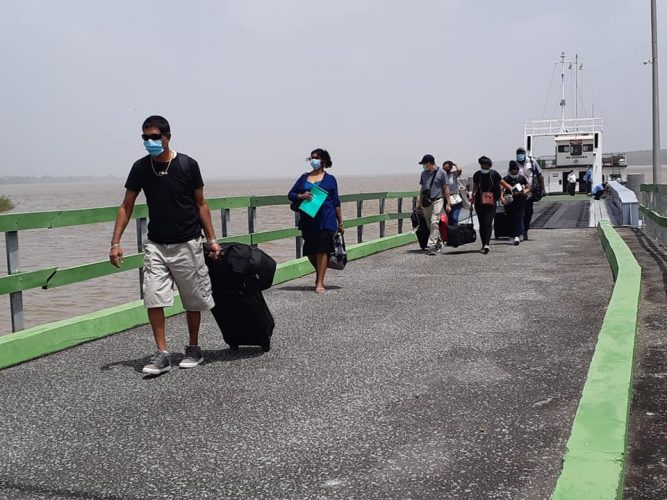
(453,216)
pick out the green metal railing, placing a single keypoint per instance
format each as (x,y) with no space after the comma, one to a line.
(653,203)
(50,277)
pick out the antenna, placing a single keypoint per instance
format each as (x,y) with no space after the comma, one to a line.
(577,67)
(562,91)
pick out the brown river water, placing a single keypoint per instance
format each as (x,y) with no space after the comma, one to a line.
(65,247)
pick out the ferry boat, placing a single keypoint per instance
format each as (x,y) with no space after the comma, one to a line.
(577,146)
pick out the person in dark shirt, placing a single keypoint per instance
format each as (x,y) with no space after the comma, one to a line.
(173,253)
(515,208)
(485,193)
(318,232)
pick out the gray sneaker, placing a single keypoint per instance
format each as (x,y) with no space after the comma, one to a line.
(160,363)
(193,357)
(434,249)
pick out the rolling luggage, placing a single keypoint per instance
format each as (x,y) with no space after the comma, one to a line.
(442,226)
(241,269)
(502,225)
(460,234)
(422,232)
(238,277)
(244,320)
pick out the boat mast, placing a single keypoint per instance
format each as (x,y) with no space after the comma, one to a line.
(562,91)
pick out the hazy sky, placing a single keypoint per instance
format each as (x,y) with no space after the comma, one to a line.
(251,86)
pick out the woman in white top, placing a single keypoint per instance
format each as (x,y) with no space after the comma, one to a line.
(453,172)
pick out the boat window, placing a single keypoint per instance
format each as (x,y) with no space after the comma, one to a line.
(576,149)
(588,147)
(563,149)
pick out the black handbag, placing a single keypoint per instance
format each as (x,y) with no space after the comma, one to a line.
(338,258)
(536,187)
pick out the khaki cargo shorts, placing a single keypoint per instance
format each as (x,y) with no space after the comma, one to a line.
(180,264)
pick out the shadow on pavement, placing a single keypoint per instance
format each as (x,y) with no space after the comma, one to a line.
(210,356)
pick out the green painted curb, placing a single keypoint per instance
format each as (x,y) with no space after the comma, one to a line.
(45,339)
(34,342)
(594,463)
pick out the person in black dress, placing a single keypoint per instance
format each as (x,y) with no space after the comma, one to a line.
(318,232)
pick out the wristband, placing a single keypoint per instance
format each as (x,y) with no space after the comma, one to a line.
(114,245)
(210,242)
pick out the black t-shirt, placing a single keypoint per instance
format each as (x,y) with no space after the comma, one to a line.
(172,211)
(487,183)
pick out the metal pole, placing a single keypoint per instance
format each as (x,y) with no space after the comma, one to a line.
(400,210)
(562,91)
(382,223)
(252,220)
(656,108)
(13,266)
(226,221)
(360,229)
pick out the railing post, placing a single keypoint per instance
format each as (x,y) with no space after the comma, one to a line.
(298,241)
(400,219)
(252,219)
(360,229)
(382,223)
(226,217)
(142,236)
(13,266)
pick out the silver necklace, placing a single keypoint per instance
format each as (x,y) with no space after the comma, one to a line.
(160,173)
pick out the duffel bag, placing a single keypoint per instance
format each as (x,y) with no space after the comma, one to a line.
(460,234)
(240,269)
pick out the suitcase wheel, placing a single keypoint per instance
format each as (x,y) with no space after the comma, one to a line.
(266,346)
(234,347)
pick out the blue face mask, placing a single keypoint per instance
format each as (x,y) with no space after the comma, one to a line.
(315,163)
(154,148)
(514,176)
(520,157)
(485,171)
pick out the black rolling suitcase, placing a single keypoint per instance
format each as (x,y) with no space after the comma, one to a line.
(422,232)
(502,225)
(244,320)
(238,277)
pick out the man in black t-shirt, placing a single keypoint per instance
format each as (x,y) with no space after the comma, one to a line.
(177,212)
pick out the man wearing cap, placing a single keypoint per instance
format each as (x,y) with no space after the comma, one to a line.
(533,174)
(433,195)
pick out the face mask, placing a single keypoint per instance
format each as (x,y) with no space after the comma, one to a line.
(520,157)
(485,171)
(315,163)
(513,177)
(154,148)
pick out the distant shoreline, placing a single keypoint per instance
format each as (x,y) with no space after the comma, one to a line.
(639,158)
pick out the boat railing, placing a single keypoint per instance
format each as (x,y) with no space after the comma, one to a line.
(653,208)
(568,126)
(16,281)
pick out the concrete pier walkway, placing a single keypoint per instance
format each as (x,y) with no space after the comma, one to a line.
(413,377)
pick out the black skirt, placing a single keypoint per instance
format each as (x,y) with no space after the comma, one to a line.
(317,242)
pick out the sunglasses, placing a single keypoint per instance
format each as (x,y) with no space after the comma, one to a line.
(151,137)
